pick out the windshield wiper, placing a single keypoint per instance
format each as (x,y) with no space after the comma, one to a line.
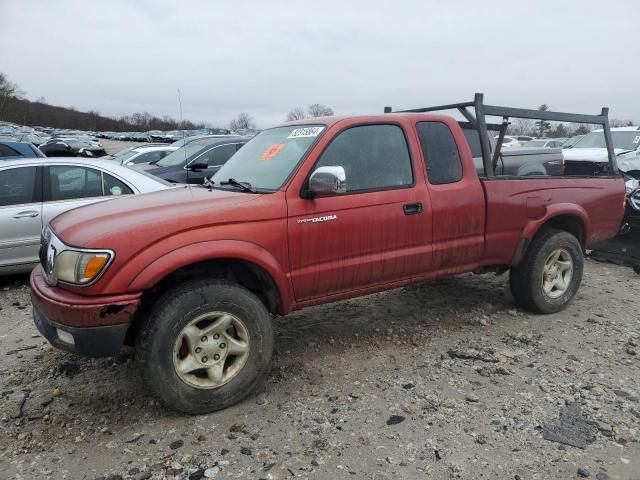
(244,186)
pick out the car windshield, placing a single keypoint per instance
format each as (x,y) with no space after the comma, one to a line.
(126,156)
(123,153)
(629,140)
(178,157)
(268,159)
(535,143)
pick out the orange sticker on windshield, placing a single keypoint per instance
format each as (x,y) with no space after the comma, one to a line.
(272,151)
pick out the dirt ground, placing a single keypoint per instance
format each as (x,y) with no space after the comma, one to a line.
(114,146)
(447,379)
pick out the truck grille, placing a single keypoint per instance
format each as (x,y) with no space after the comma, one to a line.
(42,252)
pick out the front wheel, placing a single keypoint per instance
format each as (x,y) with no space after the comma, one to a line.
(550,273)
(205,345)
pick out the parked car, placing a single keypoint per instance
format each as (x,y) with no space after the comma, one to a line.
(509,141)
(10,149)
(543,143)
(632,210)
(32,138)
(142,154)
(202,139)
(305,213)
(33,191)
(174,135)
(588,156)
(518,162)
(69,147)
(195,162)
(524,138)
(155,136)
(139,137)
(570,142)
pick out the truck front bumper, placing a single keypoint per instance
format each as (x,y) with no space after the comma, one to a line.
(90,326)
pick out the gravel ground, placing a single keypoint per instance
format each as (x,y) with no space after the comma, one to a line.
(446,379)
(114,146)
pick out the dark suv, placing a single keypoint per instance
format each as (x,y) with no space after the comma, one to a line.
(195,162)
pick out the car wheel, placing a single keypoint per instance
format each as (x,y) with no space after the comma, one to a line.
(205,345)
(550,274)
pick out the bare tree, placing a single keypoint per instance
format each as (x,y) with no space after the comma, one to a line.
(243,121)
(582,129)
(319,110)
(8,90)
(296,114)
(616,122)
(15,108)
(521,126)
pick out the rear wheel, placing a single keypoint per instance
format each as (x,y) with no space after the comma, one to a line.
(205,345)
(550,274)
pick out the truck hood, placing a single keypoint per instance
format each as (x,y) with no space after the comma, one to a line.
(626,161)
(96,225)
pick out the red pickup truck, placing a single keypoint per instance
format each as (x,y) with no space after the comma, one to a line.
(306,213)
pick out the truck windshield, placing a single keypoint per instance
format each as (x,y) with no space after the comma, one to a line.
(629,140)
(268,159)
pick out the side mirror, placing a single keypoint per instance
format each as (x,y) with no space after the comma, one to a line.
(326,181)
(197,167)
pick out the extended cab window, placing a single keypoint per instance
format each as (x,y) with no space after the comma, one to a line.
(373,157)
(440,153)
(17,186)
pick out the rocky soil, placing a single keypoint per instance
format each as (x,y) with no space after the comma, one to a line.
(442,380)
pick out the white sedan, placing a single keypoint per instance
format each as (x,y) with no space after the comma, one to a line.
(34,190)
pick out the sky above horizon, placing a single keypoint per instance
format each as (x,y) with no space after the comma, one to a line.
(266,58)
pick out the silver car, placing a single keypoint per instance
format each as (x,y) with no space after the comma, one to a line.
(33,191)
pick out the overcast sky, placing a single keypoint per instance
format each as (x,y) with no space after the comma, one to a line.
(267,57)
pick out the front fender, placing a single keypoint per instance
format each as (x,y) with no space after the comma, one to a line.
(211,250)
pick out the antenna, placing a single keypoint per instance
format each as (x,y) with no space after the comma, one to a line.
(184,145)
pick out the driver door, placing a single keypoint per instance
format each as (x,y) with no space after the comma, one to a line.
(378,231)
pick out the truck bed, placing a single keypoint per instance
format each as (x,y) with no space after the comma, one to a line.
(517,206)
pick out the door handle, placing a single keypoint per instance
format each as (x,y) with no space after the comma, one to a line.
(27,214)
(412,208)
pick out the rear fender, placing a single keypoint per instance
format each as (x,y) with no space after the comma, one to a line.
(550,212)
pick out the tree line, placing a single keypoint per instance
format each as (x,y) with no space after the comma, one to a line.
(17,109)
(543,128)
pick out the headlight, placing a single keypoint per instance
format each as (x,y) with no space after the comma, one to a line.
(631,184)
(80,267)
(70,265)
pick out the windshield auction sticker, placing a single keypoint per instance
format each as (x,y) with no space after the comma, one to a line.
(306,132)
(272,151)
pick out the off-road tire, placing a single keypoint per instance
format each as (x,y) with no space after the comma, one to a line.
(164,322)
(525,280)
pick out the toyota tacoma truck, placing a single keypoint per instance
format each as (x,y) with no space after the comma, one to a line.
(307,213)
